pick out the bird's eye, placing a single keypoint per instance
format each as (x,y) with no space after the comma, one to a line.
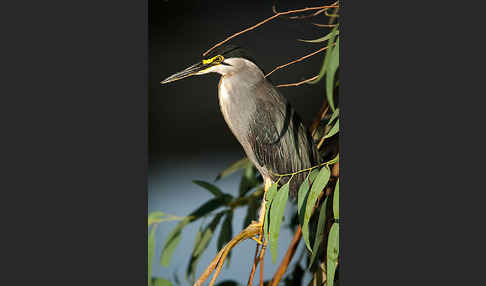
(218,59)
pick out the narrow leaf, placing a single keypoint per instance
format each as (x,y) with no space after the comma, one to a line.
(207,235)
(334,130)
(201,243)
(161,282)
(174,237)
(335,204)
(210,187)
(151,250)
(271,192)
(226,233)
(193,261)
(240,164)
(334,115)
(323,70)
(320,40)
(302,194)
(171,243)
(320,231)
(277,212)
(155,216)
(317,187)
(331,71)
(332,253)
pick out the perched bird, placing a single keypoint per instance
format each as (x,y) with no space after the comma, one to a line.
(261,119)
(264,123)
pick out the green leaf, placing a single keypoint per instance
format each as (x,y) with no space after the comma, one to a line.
(161,282)
(277,212)
(191,270)
(271,192)
(249,180)
(151,250)
(334,115)
(317,187)
(335,204)
(226,233)
(240,164)
(171,243)
(332,253)
(323,70)
(334,130)
(202,241)
(302,193)
(207,207)
(174,237)
(155,216)
(210,187)
(320,40)
(320,231)
(331,71)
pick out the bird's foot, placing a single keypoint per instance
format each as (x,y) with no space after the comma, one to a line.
(254,229)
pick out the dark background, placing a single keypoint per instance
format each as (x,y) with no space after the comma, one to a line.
(184,116)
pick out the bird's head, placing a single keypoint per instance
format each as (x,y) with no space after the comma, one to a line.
(225,60)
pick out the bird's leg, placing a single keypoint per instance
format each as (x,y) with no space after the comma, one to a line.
(260,223)
(263,207)
(254,229)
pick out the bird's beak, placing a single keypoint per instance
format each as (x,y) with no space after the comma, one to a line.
(192,70)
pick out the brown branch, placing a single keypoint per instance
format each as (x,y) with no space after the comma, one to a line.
(298,83)
(262,253)
(335,170)
(274,9)
(282,268)
(255,262)
(324,25)
(218,262)
(266,20)
(297,60)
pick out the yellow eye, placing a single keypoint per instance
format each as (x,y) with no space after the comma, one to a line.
(217,59)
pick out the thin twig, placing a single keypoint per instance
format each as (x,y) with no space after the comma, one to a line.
(266,20)
(253,269)
(218,261)
(274,9)
(297,60)
(298,83)
(262,253)
(324,25)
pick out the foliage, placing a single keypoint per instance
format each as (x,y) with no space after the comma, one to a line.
(317,201)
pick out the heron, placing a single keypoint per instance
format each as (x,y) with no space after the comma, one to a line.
(270,131)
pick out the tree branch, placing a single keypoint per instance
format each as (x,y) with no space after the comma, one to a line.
(298,83)
(266,20)
(274,9)
(296,61)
